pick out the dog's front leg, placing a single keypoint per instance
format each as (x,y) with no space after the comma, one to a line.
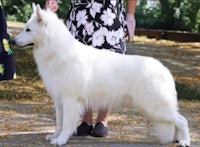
(59,115)
(71,115)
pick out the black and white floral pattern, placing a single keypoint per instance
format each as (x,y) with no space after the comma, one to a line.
(100,23)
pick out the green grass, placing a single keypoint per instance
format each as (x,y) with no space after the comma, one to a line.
(187,91)
(27,85)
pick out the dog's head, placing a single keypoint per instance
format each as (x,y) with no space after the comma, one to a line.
(35,31)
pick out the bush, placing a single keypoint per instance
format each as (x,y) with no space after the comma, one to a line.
(20,10)
(183,15)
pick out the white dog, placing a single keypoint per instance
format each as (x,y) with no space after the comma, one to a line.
(76,75)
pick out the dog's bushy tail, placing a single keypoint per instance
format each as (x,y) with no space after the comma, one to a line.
(165,131)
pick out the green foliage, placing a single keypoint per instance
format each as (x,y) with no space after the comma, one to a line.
(20,10)
(187,91)
(63,8)
(183,15)
(147,17)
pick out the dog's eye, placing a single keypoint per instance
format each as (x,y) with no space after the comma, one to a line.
(28,30)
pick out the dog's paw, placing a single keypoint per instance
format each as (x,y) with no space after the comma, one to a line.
(49,137)
(59,141)
(184,143)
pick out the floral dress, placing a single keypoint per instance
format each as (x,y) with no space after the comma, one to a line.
(100,23)
(7,67)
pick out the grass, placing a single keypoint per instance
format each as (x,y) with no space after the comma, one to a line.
(27,85)
(186,91)
(182,59)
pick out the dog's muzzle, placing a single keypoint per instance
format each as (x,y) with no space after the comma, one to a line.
(14,42)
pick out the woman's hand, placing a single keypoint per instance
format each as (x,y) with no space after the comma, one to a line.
(130,20)
(52,5)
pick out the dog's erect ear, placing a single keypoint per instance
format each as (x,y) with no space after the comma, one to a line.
(34,7)
(38,13)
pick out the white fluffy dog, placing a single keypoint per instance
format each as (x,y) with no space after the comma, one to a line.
(76,75)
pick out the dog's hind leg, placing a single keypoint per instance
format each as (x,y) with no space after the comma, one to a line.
(165,131)
(71,114)
(164,123)
(59,115)
(170,125)
(182,131)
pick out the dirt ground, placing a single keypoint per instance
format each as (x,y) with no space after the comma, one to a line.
(25,122)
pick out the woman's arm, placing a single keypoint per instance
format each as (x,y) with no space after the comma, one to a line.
(131,5)
(130,18)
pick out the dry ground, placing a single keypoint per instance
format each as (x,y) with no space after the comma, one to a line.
(27,114)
